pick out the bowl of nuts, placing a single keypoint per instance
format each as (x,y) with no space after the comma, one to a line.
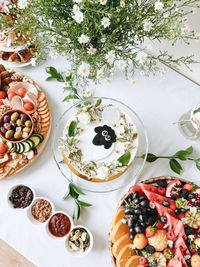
(16,126)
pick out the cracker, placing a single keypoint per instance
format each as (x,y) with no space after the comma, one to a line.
(43,108)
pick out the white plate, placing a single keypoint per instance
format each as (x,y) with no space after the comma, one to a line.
(12,48)
(14,64)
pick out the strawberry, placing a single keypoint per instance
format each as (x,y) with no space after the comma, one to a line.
(193,251)
(188,187)
(143,260)
(161,190)
(150,231)
(159,225)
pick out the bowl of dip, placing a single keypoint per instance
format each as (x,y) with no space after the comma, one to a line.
(59,225)
(20,197)
(79,242)
(40,210)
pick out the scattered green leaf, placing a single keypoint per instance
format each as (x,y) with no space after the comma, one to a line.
(72,129)
(124,159)
(151,157)
(77,190)
(70,96)
(182,155)
(77,211)
(54,74)
(98,103)
(175,166)
(196,110)
(197,161)
(84,204)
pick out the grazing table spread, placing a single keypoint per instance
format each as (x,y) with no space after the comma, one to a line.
(159,101)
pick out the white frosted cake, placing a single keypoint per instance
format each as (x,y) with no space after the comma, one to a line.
(99,142)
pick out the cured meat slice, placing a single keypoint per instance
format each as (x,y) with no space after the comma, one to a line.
(28,86)
(17,102)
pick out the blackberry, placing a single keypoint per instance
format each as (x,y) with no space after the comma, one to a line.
(150,249)
(184,193)
(191,196)
(162,183)
(189,231)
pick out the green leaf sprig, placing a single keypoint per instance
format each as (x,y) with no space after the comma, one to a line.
(54,74)
(74,192)
(173,160)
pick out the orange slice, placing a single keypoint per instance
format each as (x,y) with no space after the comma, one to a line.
(124,240)
(125,254)
(118,231)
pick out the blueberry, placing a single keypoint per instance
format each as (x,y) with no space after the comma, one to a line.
(143,224)
(171,245)
(135,195)
(162,183)
(150,249)
(198,234)
(163,219)
(154,263)
(132,236)
(189,231)
(183,210)
(191,196)
(184,193)
(144,203)
(177,211)
(198,251)
(137,251)
(165,203)
(189,241)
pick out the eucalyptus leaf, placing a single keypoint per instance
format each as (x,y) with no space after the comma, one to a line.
(67,195)
(182,155)
(77,211)
(77,190)
(84,204)
(70,96)
(72,129)
(196,110)
(125,158)
(197,161)
(151,157)
(73,193)
(99,101)
(175,166)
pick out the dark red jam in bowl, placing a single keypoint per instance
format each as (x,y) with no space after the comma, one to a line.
(59,225)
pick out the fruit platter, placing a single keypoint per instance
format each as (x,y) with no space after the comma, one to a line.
(24,121)
(157,223)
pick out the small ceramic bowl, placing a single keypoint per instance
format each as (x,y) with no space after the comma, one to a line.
(10,203)
(30,215)
(9,113)
(78,253)
(49,222)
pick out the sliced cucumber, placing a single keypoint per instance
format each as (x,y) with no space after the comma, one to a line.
(40,136)
(27,146)
(30,143)
(16,148)
(9,145)
(36,140)
(21,147)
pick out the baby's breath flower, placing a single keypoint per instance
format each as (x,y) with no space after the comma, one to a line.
(147,26)
(100,73)
(112,71)
(91,50)
(84,69)
(133,82)
(105,22)
(22,4)
(185,31)
(159,5)
(197,36)
(67,84)
(110,57)
(141,57)
(76,9)
(103,2)
(53,54)
(88,93)
(121,64)
(103,40)
(122,3)
(78,17)
(83,39)
(67,73)
(77,1)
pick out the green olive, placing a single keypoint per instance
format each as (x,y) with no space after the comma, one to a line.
(19,123)
(28,123)
(27,129)
(15,116)
(18,135)
(9,134)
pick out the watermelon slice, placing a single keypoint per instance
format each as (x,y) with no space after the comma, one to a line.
(180,244)
(178,260)
(162,210)
(175,229)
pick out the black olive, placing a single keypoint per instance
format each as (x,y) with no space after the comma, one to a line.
(162,183)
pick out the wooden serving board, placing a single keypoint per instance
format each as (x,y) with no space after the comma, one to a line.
(43,106)
(9,257)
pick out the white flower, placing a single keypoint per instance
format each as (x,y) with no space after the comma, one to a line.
(103,172)
(33,61)
(78,17)
(103,40)
(152,205)
(84,69)
(187,257)
(100,73)
(141,57)
(22,4)
(123,220)
(88,93)
(78,1)
(112,71)
(122,3)
(110,57)
(185,30)
(159,5)
(83,39)
(105,22)
(170,243)
(133,81)
(68,40)
(91,50)
(53,54)
(121,64)
(147,26)
(191,237)
(84,118)
(67,73)
(108,80)
(103,2)
(67,84)
(76,9)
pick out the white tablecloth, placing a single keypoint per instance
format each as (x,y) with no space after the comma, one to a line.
(159,101)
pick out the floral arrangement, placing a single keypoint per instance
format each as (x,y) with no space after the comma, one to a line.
(96,36)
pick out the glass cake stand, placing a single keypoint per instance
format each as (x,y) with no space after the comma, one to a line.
(129,176)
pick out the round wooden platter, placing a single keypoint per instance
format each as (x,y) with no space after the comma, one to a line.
(45,126)
(148,181)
